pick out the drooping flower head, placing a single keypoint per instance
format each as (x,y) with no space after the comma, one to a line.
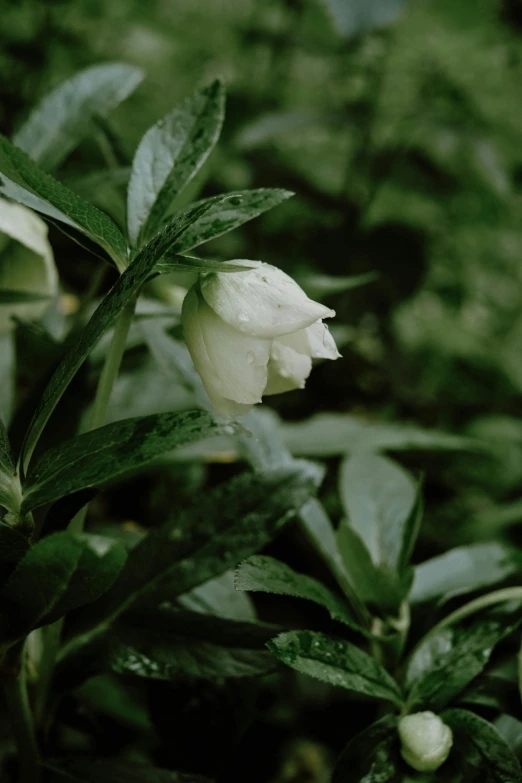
(253,333)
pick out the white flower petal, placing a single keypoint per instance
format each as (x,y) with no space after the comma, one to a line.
(264,302)
(322,344)
(232,365)
(289,364)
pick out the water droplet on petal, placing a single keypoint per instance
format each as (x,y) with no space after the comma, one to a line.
(251,357)
(243,317)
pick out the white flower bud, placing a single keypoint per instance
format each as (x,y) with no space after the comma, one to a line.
(26,262)
(426,741)
(252,333)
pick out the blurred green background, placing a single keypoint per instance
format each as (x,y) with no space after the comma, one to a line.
(397,124)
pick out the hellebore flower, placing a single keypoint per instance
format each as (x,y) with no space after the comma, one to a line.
(251,333)
(426,741)
(26,264)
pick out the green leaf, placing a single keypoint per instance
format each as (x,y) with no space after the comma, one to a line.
(330,434)
(163,643)
(378,585)
(113,303)
(9,487)
(267,449)
(218,597)
(319,285)
(99,564)
(446,661)
(169,644)
(67,114)
(6,459)
(378,496)
(13,546)
(370,756)
(336,662)
(261,573)
(64,510)
(225,525)
(115,771)
(224,216)
(168,156)
(464,569)
(482,750)
(510,729)
(22,180)
(57,574)
(103,454)
(171,262)
(109,696)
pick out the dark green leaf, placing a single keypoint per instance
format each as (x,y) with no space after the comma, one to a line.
(162,656)
(378,496)
(109,695)
(117,298)
(446,661)
(481,749)
(65,509)
(66,115)
(59,573)
(176,263)
(104,454)
(336,662)
(208,538)
(99,564)
(22,180)
(13,546)
(370,757)
(378,585)
(265,574)
(165,643)
(222,217)
(168,156)
(465,569)
(91,770)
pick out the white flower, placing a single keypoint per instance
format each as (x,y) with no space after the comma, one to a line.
(252,333)
(26,263)
(426,741)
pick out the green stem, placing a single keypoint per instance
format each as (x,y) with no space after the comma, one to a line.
(101,401)
(112,364)
(15,689)
(108,376)
(496,597)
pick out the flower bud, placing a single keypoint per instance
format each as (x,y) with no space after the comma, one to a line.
(426,741)
(251,333)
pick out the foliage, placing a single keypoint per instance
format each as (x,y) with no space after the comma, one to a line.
(186,598)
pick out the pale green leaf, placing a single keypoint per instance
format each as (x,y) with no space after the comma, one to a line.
(168,156)
(67,114)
